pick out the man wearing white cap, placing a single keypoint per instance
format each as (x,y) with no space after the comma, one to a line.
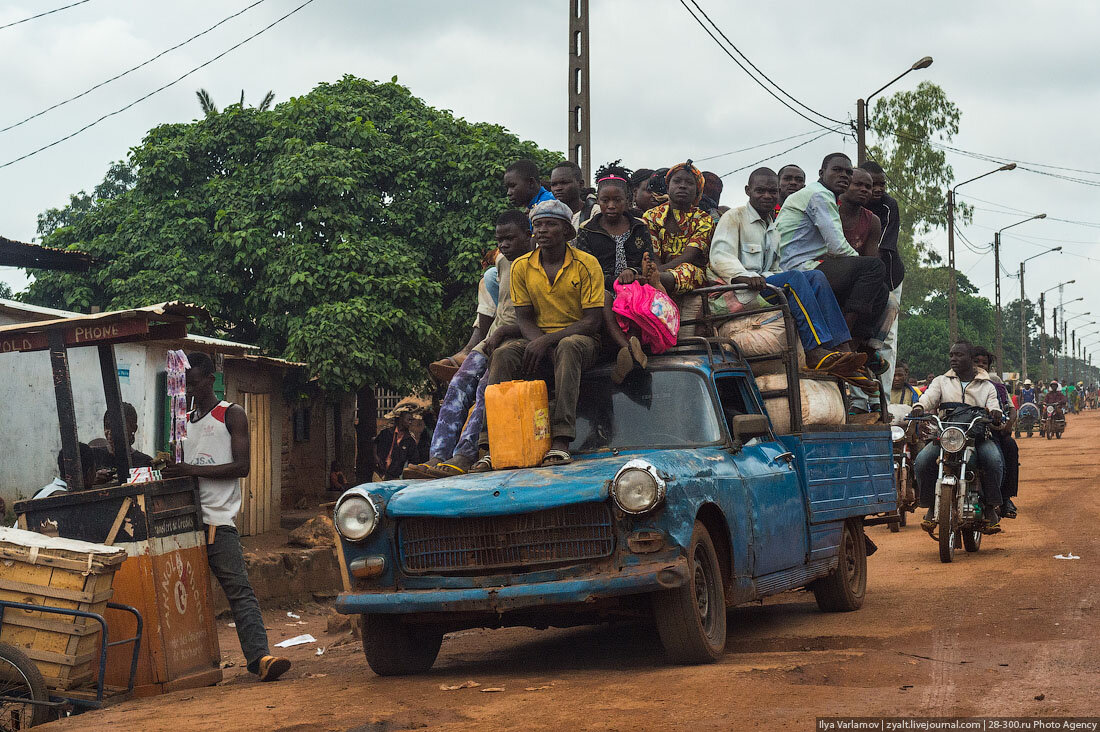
(558,294)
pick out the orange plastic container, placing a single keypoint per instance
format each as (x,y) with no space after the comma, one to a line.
(518,416)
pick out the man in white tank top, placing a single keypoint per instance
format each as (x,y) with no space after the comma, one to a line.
(217,453)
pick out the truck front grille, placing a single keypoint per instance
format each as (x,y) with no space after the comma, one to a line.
(476,544)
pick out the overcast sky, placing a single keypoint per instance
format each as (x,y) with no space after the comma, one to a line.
(1023,74)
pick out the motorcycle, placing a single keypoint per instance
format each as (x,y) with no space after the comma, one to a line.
(1054,423)
(957,511)
(906,445)
(1028,418)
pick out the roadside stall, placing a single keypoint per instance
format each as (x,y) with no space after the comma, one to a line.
(157,523)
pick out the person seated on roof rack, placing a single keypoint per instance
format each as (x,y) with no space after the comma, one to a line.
(681,231)
(745,251)
(812,238)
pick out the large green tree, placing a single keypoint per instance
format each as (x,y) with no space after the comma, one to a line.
(343,228)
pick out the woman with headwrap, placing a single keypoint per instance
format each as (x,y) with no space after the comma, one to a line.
(681,231)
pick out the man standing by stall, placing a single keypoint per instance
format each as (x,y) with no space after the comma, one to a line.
(217,452)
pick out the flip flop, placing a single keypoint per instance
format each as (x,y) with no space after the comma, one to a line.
(624,364)
(877,363)
(850,365)
(444,369)
(868,384)
(484,465)
(420,471)
(637,352)
(449,469)
(556,457)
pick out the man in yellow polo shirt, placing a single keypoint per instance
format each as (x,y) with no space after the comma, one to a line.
(558,293)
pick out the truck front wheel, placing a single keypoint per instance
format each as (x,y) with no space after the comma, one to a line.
(843,589)
(691,620)
(394,648)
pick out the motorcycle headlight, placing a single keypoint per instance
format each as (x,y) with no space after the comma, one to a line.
(953,439)
(356,515)
(897,433)
(637,487)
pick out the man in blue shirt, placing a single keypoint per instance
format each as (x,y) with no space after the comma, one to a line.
(812,237)
(521,182)
(1027,394)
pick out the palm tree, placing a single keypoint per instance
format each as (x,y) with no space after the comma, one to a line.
(209,108)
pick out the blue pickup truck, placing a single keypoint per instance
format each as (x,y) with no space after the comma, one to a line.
(682,501)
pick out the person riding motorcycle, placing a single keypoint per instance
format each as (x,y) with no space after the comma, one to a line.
(1027,394)
(1055,395)
(963,383)
(985,360)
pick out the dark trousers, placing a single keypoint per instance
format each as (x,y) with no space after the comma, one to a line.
(570,357)
(1011,451)
(990,461)
(227,564)
(859,284)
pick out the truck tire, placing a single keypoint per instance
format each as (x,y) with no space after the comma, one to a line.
(843,589)
(20,677)
(394,648)
(691,620)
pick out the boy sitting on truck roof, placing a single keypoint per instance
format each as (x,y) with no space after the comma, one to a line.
(558,291)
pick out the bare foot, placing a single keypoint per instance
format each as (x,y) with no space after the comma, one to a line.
(651,274)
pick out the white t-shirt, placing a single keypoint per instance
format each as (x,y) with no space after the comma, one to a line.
(209,443)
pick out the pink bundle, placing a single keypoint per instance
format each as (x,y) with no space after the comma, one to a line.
(652,311)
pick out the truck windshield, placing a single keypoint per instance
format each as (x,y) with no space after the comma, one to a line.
(649,409)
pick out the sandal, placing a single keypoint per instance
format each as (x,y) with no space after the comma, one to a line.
(448,469)
(484,465)
(624,364)
(841,363)
(636,351)
(421,471)
(556,457)
(863,381)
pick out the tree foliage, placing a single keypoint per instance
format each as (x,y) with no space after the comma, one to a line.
(343,228)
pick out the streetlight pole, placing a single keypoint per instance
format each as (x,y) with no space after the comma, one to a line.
(1023,319)
(1043,324)
(1065,334)
(580,135)
(997,289)
(953,285)
(861,110)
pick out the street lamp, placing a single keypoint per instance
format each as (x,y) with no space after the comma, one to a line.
(952,285)
(1023,323)
(861,110)
(1043,322)
(997,290)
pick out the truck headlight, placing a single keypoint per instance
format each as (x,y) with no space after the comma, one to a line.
(356,515)
(953,439)
(637,487)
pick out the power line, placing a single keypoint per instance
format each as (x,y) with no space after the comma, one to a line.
(159,89)
(750,74)
(1010,209)
(42,15)
(771,157)
(757,69)
(753,147)
(130,70)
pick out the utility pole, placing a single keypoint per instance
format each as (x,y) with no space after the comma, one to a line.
(1055,373)
(1023,328)
(1072,368)
(1043,334)
(580,136)
(997,290)
(952,283)
(861,132)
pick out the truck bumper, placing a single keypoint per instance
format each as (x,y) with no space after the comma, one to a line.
(630,581)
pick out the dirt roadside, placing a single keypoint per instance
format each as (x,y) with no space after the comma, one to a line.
(1008,631)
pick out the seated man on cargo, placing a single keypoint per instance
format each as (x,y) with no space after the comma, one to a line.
(812,237)
(963,383)
(558,292)
(454,445)
(745,250)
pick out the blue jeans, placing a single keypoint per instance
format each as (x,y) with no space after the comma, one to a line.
(814,308)
(990,461)
(226,562)
(454,433)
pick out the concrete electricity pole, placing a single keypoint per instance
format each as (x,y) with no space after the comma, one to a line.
(580,136)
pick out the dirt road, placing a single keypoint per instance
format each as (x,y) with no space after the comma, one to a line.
(1008,631)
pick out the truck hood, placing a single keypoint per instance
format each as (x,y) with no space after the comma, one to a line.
(504,492)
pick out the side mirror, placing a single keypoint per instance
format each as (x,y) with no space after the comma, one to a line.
(747,426)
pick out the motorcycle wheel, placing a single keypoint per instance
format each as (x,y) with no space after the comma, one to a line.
(902,512)
(1058,435)
(972,540)
(1050,436)
(945,511)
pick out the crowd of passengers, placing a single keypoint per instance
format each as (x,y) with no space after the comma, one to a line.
(586,276)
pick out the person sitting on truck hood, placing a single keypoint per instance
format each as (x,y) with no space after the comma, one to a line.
(455,442)
(965,383)
(812,237)
(745,250)
(559,297)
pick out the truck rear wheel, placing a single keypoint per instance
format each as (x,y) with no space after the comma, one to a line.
(394,648)
(691,620)
(843,589)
